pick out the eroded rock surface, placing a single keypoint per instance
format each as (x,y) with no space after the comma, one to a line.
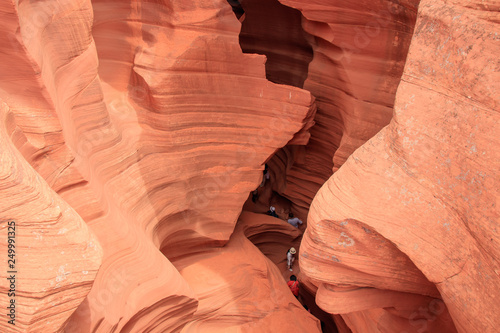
(359,54)
(416,206)
(132,134)
(248,292)
(148,122)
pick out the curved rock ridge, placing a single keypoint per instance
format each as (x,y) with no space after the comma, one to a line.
(52,257)
(148,120)
(52,88)
(55,257)
(422,193)
(273,237)
(331,322)
(249,294)
(211,142)
(359,55)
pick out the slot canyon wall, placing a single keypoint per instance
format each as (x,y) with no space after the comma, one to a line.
(404,236)
(133,132)
(358,61)
(147,122)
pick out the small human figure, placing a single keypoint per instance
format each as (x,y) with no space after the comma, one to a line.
(293,284)
(290,257)
(255,196)
(295,221)
(272,212)
(265,176)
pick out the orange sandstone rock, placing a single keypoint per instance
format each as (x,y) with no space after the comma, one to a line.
(241,289)
(359,53)
(132,133)
(421,194)
(51,256)
(152,126)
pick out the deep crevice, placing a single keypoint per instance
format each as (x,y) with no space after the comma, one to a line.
(275,30)
(237,8)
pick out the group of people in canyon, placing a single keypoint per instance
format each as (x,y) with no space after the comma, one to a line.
(293,284)
(295,221)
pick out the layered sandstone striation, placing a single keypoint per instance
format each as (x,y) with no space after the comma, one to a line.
(404,237)
(359,54)
(146,121)
(247,293)
(131,134)
(51,257)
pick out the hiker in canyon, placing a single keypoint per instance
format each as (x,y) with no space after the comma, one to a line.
(293,284)
(272,212)
(295,221)
(290,257)
(255,195)
(265,176)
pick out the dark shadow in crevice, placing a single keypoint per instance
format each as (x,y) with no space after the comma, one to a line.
(275,30)
(237,8)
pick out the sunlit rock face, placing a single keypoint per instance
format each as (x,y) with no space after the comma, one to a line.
(413,211)
(147,122)
(359,51)
(131,134)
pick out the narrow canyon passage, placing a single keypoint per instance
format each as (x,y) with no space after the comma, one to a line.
(272,29)
(134,139)
(275,30)
(370,97)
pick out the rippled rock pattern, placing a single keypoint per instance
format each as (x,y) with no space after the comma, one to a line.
(359,54)
(147,122)
(414,211)
(133,132)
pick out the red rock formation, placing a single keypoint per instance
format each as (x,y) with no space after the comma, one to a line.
(155,146)
(51,257)
(274,237)
(415,206)
(54,255)
(132,133)
(275,30)
(359,54)
(248,292)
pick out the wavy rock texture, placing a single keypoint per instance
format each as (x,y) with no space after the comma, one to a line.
(55,257)
(148,120)
(413,211)
(359,55)
(257,298)
(273,237)
(132,133)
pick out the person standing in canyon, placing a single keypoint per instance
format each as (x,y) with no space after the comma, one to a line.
(272,212)
(295,221)
(293,284)
(290,257)
(265,176)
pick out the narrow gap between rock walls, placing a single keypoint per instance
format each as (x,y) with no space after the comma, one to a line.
(274,30)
